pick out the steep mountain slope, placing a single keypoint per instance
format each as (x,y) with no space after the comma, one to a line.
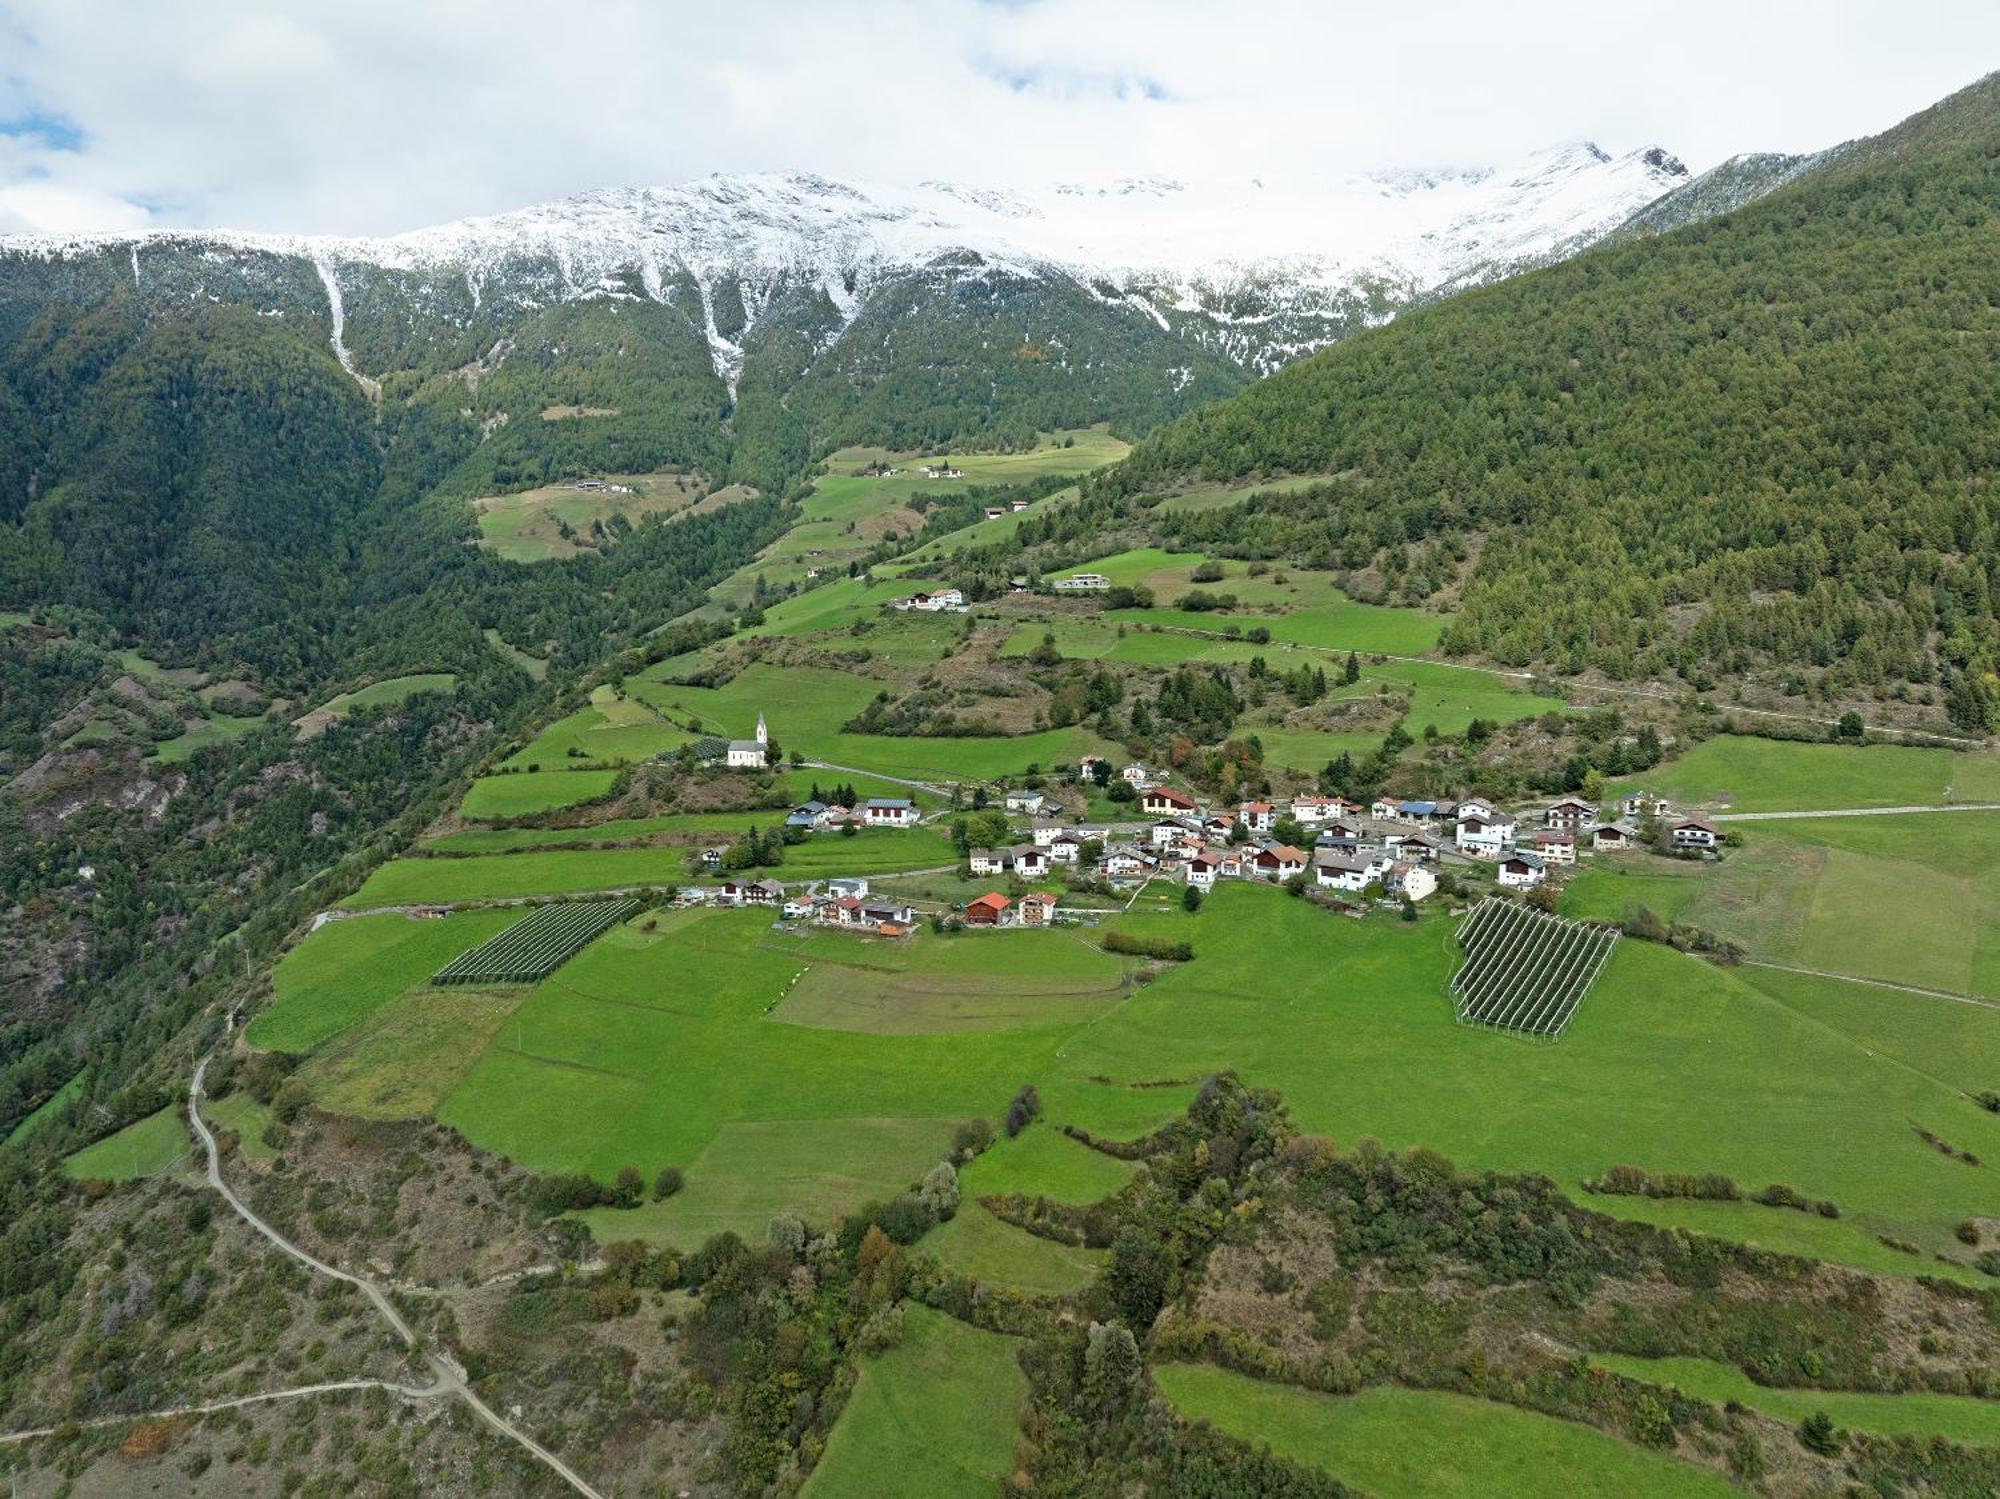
(826,312)
(1764,442)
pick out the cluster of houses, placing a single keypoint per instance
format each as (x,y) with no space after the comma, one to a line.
(939,471)
(943,601)
(597,486)
(876,812)
(1036,908)
(994,512)
(1392,845)
(1082,583)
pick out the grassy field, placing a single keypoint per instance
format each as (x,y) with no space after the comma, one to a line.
(1742,774)
(525,527)
(972,982)
(348,969)
(1956,1418)
(402,1059)
(535,666)
(1821,892)
(1043,1159)
(754,1170)
(216,728)
(247,1118)
(152,1145)
(934,1418)
(1421,1444)
(375,695)
(1338,625)
(848,512)
(1952,1042)
(977,1244)
(534,791)
(46,1110)
(609,730)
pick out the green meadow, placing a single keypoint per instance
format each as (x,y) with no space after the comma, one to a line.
(1956,1418)
(148,1147)
(977,1244)
(46,1110)
(608,730)
(773,1068)
(1738,773)
(1425,1444)
(534,791)
(936,1417)
(349,968)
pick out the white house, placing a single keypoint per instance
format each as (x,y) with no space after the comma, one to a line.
(1484,837)
(1123,863)
(1521,871)
(1030,802)
(1484,810)
(1413,882)
(1164,801)
(1171,832)
(1257,817)
(1202,870)
(1047,830)
(1082,583)
(1279,861)
(854,886)
(1133,774)
(1065,848)
(1610,838)
(941,471)
(1693,834)
(987,860)
(1350,872)
(944,601)
(749,754)
(1638,803)
(889,812)
(1385,809)
(1029,862)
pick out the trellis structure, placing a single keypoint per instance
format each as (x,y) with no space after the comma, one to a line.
(1526,971)
(537,945)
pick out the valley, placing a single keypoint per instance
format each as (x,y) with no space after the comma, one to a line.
(776,837)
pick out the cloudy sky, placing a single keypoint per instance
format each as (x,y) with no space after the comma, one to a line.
(371,116)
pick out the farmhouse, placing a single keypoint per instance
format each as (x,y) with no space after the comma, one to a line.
(941,471)
(1036,908)
(1693,834)
(1421,847)
(749,754)
(1082,583)
(1484,837)
(1133,774)
(1066,848)
(994,512)
(988,910)
(944,601)
(807,815)
(987,861)
(889,812)
(1172,832)
(1123,863)
(1256,817)
(1569,814)
(1164,801)
(1046,830)
(752,893)
(1202,870)
(1521,871)
(798,908)
(1030,802)
(1017,506)
(1552,847)
(1028,861)
(1484,810)
(1279,861)
(853,885)
(1609,838)
(1639,803)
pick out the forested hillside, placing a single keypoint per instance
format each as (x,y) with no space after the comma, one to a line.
(1766,442)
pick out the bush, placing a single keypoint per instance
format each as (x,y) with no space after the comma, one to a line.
(971,1138)
(627,1187)
(939,1191)
(1818,1434)
(1191,898)
(1651,1425)
(668,1182)
(1148,947)
(1022,1109)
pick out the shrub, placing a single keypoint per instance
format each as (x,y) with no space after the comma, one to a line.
(1148,947)
(939,1191)
(971,1137)
(1651,1425)
(1022,1109)
(668,1182)
(1818,1434)
(627,1187)
(904,1219)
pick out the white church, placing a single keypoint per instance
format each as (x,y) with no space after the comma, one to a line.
(748,754)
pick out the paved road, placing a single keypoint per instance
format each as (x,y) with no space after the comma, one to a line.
(450,1378)
(1854,812)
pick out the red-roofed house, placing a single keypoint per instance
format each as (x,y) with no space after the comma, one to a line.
(989,910)
(1164,801)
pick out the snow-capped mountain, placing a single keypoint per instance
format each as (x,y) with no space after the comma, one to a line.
(1256,273)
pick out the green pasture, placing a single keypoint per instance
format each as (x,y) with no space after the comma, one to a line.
(1215,497)
(608,730)
(936,1417)
(1956,1418)
(1339,625)
(977,1244)
(147,1147)
(402,1059)
(1428,1444)
(1740,774)
(348,969)
(524,527)
(1957,1044)
(535,666)
(216,728)
(673,827)
(247,1118)
(1044,1161)
(526,791)
(562,871)
(44,1111)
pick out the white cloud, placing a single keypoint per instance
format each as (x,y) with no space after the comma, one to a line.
(379,115)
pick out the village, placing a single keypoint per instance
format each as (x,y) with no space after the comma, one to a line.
(1391,851)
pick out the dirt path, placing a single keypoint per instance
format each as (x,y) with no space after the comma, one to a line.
(206,1407)
(1852,978)
(450,1377)
(875,775)
(1854,812)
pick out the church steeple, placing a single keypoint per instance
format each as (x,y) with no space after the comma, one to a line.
(763,734)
